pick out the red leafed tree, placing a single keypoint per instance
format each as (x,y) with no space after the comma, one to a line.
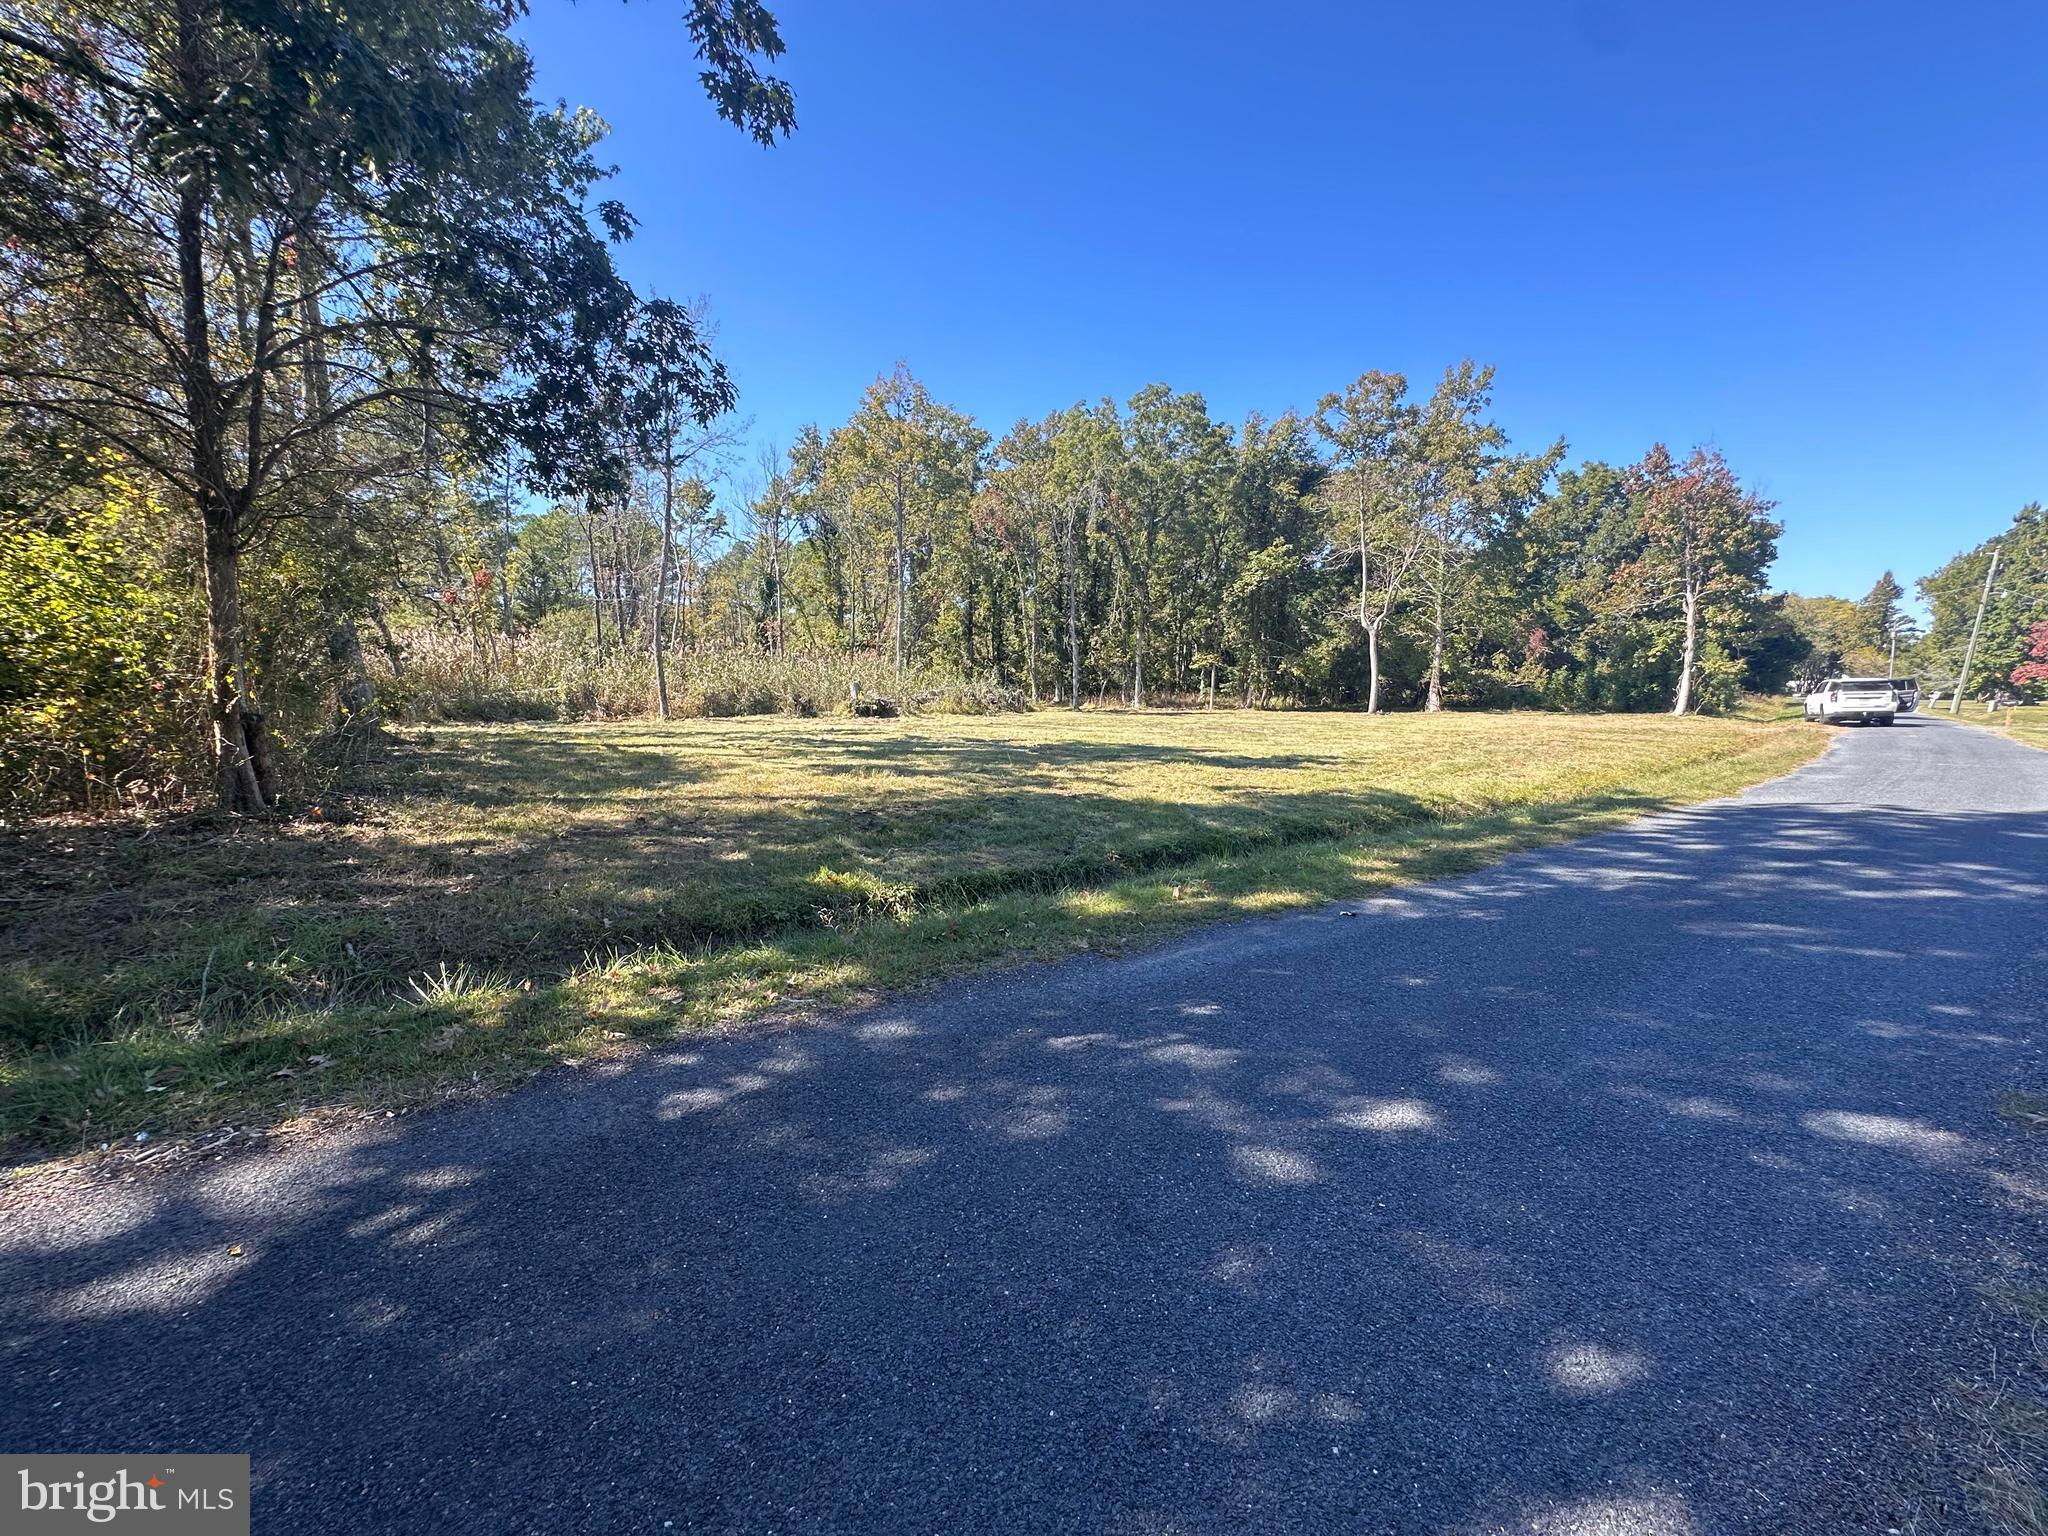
(2034,670)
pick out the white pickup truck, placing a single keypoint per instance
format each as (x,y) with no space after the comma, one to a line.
(1842,699)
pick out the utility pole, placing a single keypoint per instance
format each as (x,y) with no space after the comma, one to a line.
(1891,666)
(1955,705)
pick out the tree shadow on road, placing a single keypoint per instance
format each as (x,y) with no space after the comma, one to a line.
(1584,1194)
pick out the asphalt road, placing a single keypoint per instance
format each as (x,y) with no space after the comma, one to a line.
(1641,1185)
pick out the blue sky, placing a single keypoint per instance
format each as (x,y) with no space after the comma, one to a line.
(1813,233)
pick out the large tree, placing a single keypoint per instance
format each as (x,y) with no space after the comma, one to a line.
(1087,456)
(1560,559)
(1835,633)
(1469,486)
(1707,541)
(2033,672)
(275,251)
(1256,583)
(901,469)
(1878,613)
(1018,513)
(1173,458)
(1371,434)
(2018,598)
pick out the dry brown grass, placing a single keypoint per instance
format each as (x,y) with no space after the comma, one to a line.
(516,894)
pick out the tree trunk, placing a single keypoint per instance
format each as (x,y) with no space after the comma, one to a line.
(234,773)
(394,653)
(1073,583)
(668,535)
(775,579)
(1031,640)
(261,762)
(1138,649)
(1372,664)
(693,594)
(967,607)
(1690,655)
(1371,628)
(355,696)
(1435,699)
(236,784)
(625,596)
(901,588)
(596,573)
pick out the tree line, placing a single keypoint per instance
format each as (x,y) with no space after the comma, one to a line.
(323,399)
(2003,604)
(2012,634)
(1389,548)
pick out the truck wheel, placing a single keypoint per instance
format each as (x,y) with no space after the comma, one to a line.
(1885,719)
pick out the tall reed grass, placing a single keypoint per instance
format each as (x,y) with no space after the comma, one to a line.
(550,674)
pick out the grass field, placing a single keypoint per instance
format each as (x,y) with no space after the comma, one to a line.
(515,896)
(2029,723)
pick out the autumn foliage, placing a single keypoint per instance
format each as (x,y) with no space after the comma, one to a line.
(2035,669)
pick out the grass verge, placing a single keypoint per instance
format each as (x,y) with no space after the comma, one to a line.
(517,896)
(2028,723)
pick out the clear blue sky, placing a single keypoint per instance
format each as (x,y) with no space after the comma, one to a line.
(1815,233)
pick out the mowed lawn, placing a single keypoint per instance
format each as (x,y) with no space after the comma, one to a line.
(514,896)
(2028,723)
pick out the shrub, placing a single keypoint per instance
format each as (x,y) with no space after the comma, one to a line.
(2032,674)
(979,697)
(100,677)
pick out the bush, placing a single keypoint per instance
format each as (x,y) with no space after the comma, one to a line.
(2032,675)
(100,676)
(970,698)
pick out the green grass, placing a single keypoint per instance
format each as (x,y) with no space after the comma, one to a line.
(2028,723)
(519,895)
(2028,1111)
(2006,1412)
